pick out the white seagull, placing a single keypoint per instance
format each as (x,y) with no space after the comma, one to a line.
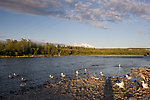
(22,85)
(77,72)
(10,76)
(15,74)
(51,76)
(85,70)
(23,79)
(128,77)
(121,85)
(119,65)
(62,75)
(101,73)
(145,85)
(94,77)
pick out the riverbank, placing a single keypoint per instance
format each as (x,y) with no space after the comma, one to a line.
(87,87)
(25,56)
(27,48)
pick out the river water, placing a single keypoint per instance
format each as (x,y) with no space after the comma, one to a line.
(38,69)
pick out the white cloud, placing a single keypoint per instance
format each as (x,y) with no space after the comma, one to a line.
(82,10)
(100,26)
(36,7)
(70,1)
(146,17)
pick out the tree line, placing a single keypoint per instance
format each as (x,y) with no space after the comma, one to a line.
(26,47)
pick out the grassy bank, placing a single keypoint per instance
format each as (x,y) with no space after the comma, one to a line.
(25,56)
(27,48)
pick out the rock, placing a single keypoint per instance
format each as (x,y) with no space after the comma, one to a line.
(132,98)
(47,86)
(133,69)
(115,74)
(12,92)
(1,97)
(31,87)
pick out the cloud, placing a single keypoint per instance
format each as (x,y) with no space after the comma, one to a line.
(35,7)
(146,17)
(100,26)
(69,1)
(82,10)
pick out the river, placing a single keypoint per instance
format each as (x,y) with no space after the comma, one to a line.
(38,69)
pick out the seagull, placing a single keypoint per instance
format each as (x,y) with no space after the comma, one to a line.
(51,76)
(77,72)
(145,85)
(10,76)
(128,77)
(23,79)
(85,71)
(92,76)
(119,65)
(15,75)
(62,75)
(22,85)
(121,85)
(101,73)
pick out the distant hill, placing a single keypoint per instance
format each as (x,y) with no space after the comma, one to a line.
(83,45)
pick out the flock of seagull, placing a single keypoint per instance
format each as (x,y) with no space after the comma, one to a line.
(144,84)
(23,80)
(120,84)
(77,74)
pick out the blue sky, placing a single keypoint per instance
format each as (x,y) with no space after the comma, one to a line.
(100,23)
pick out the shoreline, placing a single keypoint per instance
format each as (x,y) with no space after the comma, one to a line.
(26,56)
(87,87)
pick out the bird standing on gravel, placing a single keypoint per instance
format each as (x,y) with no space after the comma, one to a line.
(62,75)
(145,85)
(85,71)
(101,73)
(77,72)
(51,76)
(121,85)
(128,77)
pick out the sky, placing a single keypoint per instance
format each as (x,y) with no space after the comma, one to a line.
(98,23)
